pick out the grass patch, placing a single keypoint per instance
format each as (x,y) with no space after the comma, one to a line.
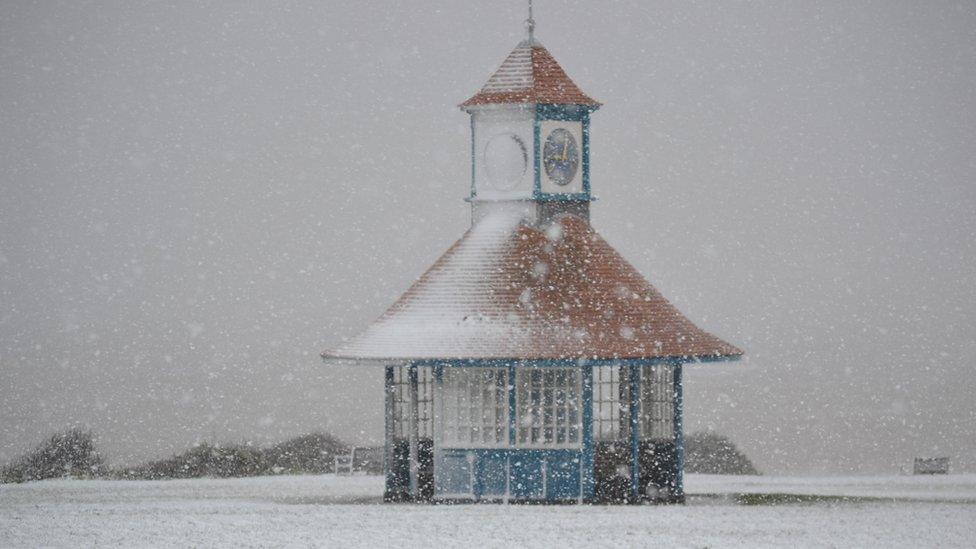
(797,499)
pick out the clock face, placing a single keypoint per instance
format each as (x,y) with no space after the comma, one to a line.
(505,161)
(560,156)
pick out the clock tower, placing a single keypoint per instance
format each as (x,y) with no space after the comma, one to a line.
(530,138)
(531,362)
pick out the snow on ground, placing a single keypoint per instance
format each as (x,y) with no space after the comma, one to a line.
(329,511)
(945,488)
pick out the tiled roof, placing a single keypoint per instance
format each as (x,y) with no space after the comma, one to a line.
(507,290)
(530,75)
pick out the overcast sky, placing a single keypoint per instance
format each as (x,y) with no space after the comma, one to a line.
(195,200)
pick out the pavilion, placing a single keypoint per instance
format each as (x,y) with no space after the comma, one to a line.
(531,362)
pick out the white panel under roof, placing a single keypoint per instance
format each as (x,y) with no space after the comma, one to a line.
(504,164)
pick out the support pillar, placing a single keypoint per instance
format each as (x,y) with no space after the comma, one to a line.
(634,382)
(414,432)
(586,464)
(389,459)
(679,436)
(512,426)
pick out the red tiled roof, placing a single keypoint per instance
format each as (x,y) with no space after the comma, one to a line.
(507,290)
(530,75)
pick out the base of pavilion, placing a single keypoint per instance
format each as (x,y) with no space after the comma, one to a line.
(400,497)
(513,433)
(534,477)
(403,497)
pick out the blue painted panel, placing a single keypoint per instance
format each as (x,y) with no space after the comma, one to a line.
(453,474)
(563,477)
(525,474)
(491,474)
(563,112)
(528,478)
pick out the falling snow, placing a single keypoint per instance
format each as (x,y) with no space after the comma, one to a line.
(196,200)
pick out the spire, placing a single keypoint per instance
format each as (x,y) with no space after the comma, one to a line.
(530,25)
(530,75)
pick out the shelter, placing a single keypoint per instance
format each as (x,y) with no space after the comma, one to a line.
(531,362)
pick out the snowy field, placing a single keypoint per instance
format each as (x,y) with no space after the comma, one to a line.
(329,511)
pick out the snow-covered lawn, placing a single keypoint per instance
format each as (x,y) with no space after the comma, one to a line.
(342,512)
(943,488)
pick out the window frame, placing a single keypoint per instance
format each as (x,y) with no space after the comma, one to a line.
(611,403)
(567,418)
(489,405)
(657,402)
(401,402)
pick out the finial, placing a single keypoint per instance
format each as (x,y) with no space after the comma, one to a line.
(530,25)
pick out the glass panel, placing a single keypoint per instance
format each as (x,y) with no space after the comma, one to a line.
(547,407)
(401,402)
(611,405)
(657,402)
(475,411)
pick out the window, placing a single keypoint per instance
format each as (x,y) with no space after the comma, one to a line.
(657,402)
(400,393)
(475,407)
(548,407)
(611,408)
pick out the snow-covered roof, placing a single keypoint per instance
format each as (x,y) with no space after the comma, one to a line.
(530,75)
(507,290)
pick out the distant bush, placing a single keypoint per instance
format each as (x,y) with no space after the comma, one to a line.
(71,453)
(714,454)
(307,454)
(203,460)
(314,453)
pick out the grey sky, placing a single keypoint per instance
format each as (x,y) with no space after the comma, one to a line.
(197,199)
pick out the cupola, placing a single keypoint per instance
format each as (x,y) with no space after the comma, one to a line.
(530,138)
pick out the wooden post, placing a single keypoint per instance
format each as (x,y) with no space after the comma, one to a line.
(679,436)
(414,433)
(512,426)
(586,463)
(635,378)
(388,443)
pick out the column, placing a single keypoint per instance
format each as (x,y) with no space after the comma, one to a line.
(679,436)
(635,375)
(586,466)
(388,444)
(414,427)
